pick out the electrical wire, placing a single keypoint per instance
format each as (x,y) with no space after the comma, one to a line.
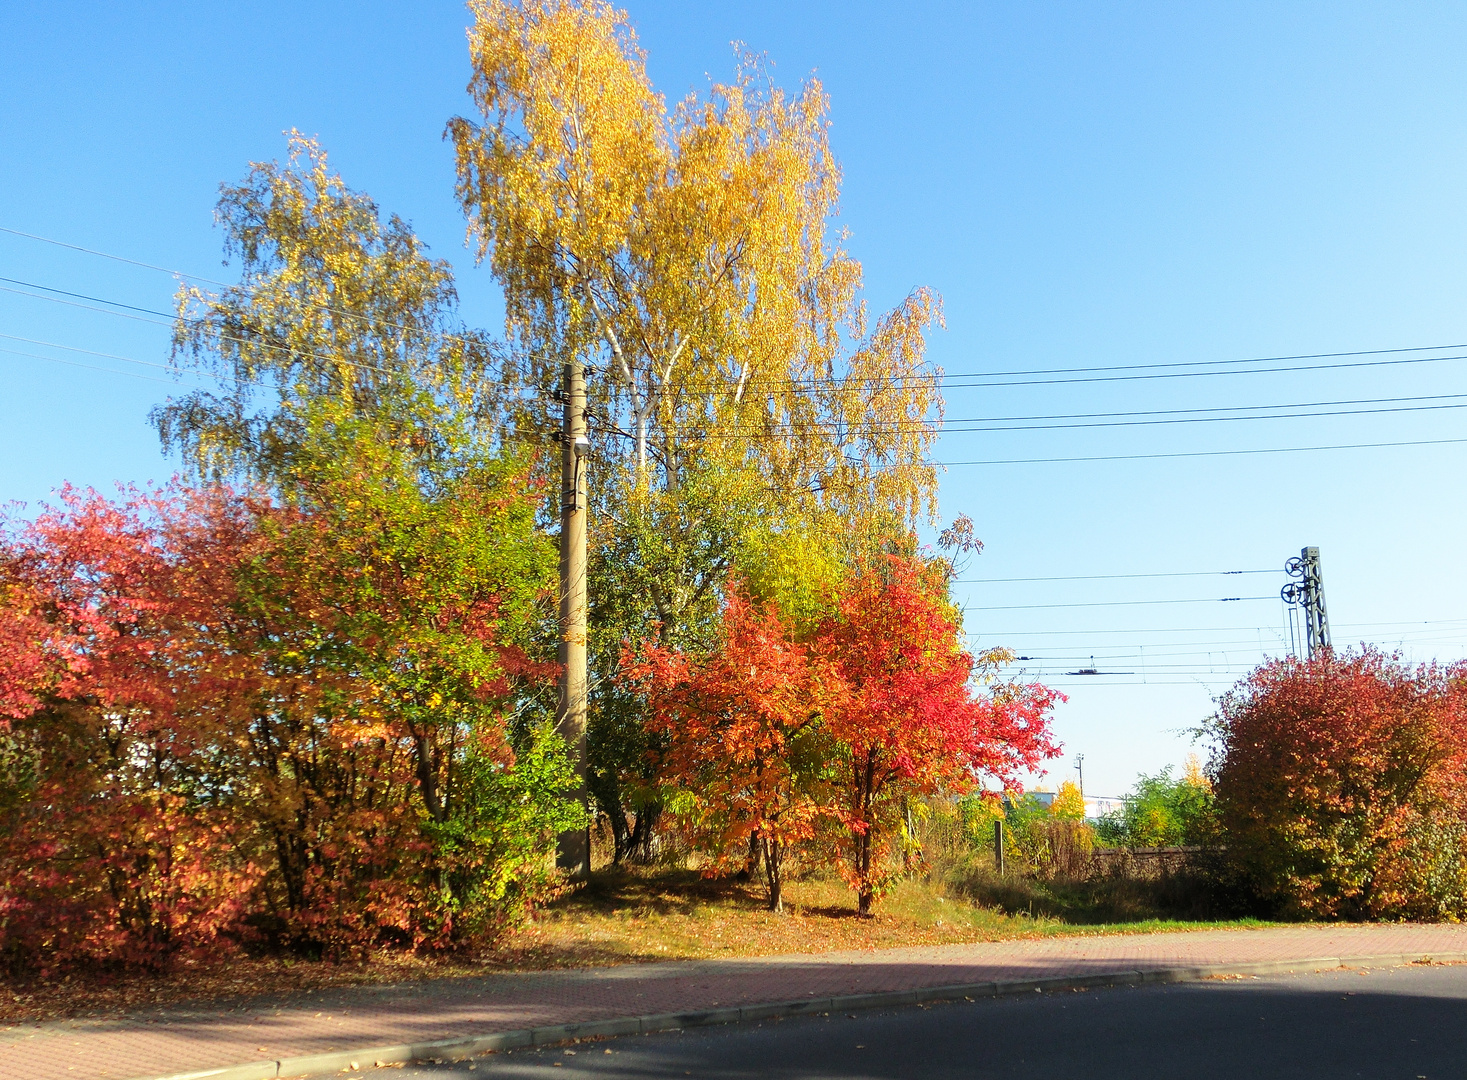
(88,367)
(930,375)
(238,286)
(1114,577)
(166,320)
(866,431)
(1208,409)
(1121,603)
(1199,453)
(88,352)
(1212,629)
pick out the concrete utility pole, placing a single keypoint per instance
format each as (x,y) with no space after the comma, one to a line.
(1308,593)
(573,848)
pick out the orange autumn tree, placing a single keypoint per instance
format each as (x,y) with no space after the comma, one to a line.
(902,701)
(741,735)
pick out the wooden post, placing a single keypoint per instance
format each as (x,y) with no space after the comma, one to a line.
(573,849)
(998,846)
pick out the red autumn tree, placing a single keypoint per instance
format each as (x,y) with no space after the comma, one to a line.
(105,672)
(899,699)
(741,735)
(1341,785)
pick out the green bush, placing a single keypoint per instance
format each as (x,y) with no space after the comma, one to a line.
(1160,812)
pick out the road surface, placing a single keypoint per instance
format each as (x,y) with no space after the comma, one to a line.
(1407,1022)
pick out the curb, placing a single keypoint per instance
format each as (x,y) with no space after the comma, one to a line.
(472,1045)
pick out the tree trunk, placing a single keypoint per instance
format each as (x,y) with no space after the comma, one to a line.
(642,844)
(773,852)
(752,860)
(865,890)
(865,894)
(620,831)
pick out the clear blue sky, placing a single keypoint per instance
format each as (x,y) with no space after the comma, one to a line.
(1086,184)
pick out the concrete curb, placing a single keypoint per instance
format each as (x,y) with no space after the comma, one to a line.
(472,1045)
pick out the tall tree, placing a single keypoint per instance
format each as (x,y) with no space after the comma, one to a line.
(337,318)
(687,255)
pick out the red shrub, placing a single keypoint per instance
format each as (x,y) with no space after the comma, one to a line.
(1341,785)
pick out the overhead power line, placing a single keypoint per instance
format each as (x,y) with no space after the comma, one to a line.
(88,352)
(88,367)
(238,286)
(1194,412)
(1115,577)
(860,431)
(946,377)
(164,319)
(1211,629)
(1200,453)
(1122,603)
(109,255)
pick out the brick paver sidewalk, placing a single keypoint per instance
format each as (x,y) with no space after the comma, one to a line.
(174,1041)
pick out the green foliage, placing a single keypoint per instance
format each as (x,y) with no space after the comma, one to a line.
(1160,812)
(493,846)
(1042,843)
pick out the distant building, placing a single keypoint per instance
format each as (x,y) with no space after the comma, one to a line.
(1097,806)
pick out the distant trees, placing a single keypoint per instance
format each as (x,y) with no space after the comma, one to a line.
(1341,785)
(1162,811)
(1069,802)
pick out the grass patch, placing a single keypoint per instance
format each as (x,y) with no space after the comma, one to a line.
(633,915)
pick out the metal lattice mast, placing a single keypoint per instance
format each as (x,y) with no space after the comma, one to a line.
(1307,593)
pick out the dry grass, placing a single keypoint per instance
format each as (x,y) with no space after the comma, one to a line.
(619,916)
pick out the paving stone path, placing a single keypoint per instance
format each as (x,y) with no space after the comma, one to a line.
(168,1042)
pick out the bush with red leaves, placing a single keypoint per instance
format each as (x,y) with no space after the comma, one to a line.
(1341,786)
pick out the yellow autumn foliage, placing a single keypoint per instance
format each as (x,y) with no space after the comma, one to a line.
(687,252)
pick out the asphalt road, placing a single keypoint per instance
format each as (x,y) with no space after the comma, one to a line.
(1406,1022)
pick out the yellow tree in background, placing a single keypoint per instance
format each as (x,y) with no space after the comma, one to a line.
(1068,802)
(338,318)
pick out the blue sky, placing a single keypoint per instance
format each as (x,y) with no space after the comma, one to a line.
(1086,184)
